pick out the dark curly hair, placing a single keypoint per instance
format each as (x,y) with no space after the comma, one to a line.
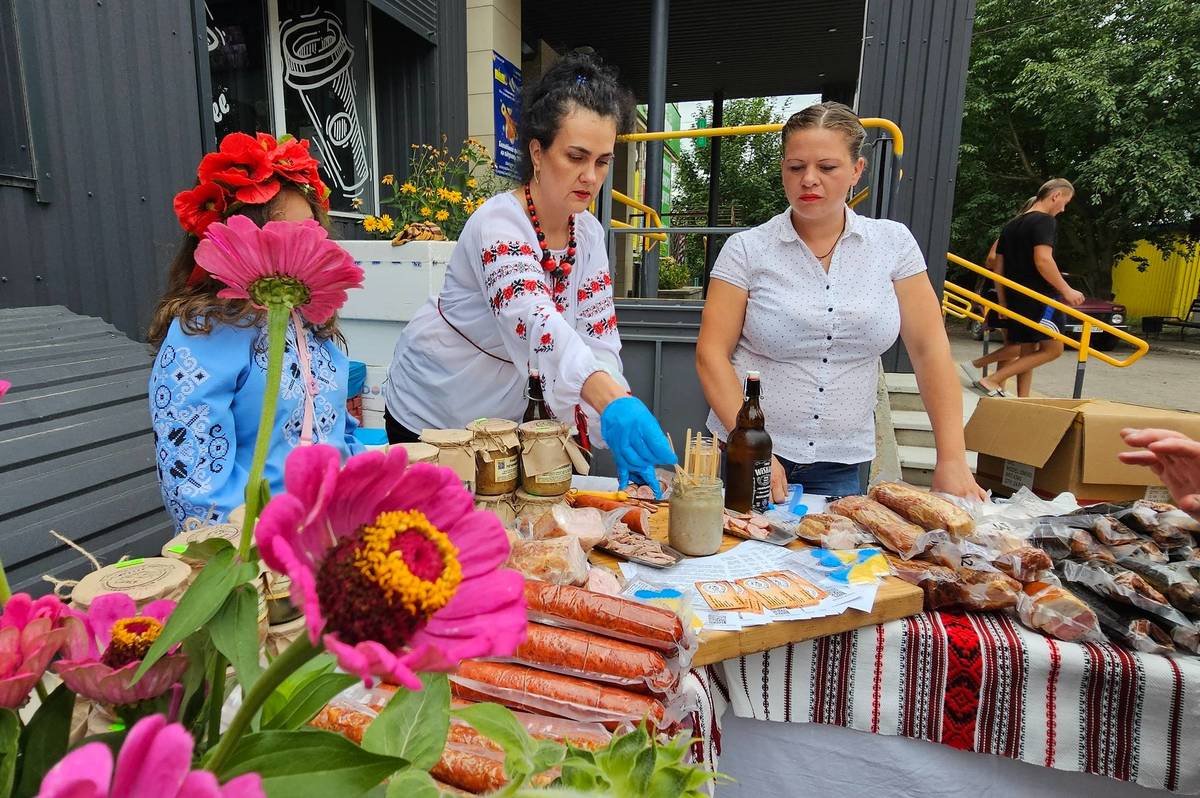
(578,78)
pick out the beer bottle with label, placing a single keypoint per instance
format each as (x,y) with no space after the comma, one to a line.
(536,410)
(748,456)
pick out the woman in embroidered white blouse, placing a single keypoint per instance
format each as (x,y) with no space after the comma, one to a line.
(811,299)
(528,287)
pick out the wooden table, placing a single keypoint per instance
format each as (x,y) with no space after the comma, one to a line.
(895,599)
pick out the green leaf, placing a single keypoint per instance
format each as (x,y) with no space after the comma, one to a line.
(412,783)
(304,704)
(641,772)
(413,725)
(501,726)
(199,604)
(199,651)
(277,701)
(10,737)
(44,741)
(234,631)
(207,549)
(309,764)
(546,755)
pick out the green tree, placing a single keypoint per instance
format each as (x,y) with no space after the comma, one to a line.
(1103,92)
(750,185)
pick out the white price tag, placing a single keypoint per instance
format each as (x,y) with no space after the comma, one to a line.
(1158,493)
(1017,475)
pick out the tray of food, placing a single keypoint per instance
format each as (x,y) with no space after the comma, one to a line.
(753,526)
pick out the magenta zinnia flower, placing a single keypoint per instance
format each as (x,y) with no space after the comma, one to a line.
(155,762)
(31,633)
(103,654)
(394,568)
(292,263)
(4,386)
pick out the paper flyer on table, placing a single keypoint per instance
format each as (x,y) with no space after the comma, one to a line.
(750,585)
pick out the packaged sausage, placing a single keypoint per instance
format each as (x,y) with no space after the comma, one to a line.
(591,656)
(923,508)
(611,616)
(1147,519)
(478,770)
(1023,563)
(1125,625)
(559,561)
(830,531)
(519,687)
(890,529)
(584,524)
(1056,612)
(636,518)
(1179,586)
(957,588)
(1144,549)
(1131,591)
(1061,541)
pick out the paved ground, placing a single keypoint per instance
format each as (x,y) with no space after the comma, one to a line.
(1161,378)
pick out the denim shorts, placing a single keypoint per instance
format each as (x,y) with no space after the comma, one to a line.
(826,479)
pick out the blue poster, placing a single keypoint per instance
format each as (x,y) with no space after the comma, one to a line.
(506,89)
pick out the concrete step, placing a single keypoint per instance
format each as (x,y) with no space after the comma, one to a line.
(917,463)
(912,428)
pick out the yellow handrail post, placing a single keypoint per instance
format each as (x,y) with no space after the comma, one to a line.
(1085,342)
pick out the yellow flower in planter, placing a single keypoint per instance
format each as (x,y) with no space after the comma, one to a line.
(442,215)
(386,225)
(388,180)
(454,196)
(425,211)
(408,188)
(370,224)
(472,183)
(356,203)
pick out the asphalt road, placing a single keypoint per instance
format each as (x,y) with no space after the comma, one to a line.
(1160,378)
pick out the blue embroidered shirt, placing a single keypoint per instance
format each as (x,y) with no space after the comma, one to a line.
(206,394)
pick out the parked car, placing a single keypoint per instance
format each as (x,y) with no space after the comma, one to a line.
(1101,309)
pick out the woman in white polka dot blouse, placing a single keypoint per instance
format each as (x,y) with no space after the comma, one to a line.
(811,299)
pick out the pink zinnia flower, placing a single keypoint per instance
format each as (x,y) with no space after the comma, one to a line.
(4,386)
(31,633)
(394,568)
(155,762)
(102,656)
(289,263)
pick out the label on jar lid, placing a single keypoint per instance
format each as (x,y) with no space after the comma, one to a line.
(144,580)
(420,452)
(447,437)
(543,427)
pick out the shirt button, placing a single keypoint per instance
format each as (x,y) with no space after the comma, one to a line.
(810,443)
(822,390)
(830,310)
(828,337)
(824,360)
(826,288)
(815,416)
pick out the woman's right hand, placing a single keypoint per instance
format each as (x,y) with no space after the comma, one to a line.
(779,483)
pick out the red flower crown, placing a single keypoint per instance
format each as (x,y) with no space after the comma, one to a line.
(247,170)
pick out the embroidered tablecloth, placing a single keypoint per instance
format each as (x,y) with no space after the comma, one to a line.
(982,683)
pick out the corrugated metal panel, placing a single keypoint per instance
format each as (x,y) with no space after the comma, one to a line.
(1148,284)
(914,70)
(76,448)
(121,134)
(419,16)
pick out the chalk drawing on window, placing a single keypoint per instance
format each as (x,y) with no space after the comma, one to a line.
(216,36)
(317,59)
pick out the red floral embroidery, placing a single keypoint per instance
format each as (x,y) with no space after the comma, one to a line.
(521,329)
(500,248)
(515,289)
(547,343)
(546,338)
(602,327)
(531,285)
(508,292)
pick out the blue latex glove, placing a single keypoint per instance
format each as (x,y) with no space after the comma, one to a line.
(636,440)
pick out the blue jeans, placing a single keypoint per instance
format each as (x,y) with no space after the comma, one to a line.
(826,479)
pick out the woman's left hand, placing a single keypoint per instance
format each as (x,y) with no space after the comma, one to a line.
(955,478)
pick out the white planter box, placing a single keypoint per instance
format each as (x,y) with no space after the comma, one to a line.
(397,281)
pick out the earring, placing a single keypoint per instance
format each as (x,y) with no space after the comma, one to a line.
(537,175)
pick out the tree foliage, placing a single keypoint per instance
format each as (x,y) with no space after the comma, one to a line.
(750,183)
(1103,92)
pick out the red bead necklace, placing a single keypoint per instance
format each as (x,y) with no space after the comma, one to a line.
(548,263)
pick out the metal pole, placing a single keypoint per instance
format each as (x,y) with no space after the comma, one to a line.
(881,194)
(656,118)
(1085,343)
(606,216)
(714,184)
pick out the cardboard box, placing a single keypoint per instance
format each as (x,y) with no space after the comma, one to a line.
(1056,445)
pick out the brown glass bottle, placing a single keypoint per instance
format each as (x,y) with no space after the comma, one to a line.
(536,410)
(748,456)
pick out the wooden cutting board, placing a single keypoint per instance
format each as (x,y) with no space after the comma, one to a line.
(895,599)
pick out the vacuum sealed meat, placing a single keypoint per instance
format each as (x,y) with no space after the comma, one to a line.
(1112,532)
(559,561)
(1125,625)
(612,616)
(1112,581)
(1174,581)
(957,588)
(602,580)
(1183,630)
(477,770)
(1023,563)
(987,590)
(1143,517)
(590,656)
(1145,549)
(519,687)
(585,524)
(1061,541)
(349,721)
(829,531)
(890,529)
(636,518)
(923,508)
(1057,612)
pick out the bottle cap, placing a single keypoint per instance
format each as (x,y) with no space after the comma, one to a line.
(534,373)
(752,375)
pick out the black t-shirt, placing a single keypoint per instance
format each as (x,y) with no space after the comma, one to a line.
(1017,240)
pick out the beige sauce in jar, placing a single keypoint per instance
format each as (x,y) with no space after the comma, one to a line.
(455,451)
(504,506)
(548,458)
(696,522)
(420,452)
(497,450)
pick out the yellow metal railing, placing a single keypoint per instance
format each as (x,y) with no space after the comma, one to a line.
(749,130)
(652,217)
(1090,324)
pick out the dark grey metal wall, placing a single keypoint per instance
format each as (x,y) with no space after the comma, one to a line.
(914,72)
(116,124)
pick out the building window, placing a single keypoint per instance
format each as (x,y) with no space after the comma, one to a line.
(302,67)
(16,157)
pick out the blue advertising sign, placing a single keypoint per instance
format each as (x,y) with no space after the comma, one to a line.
(506,89)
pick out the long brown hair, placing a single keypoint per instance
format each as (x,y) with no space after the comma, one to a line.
(198,307)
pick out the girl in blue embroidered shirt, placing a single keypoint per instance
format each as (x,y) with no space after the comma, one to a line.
(209,375)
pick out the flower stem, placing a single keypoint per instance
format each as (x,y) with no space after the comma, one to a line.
(277,322)
(287,663)
(5,590)
(216,699)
